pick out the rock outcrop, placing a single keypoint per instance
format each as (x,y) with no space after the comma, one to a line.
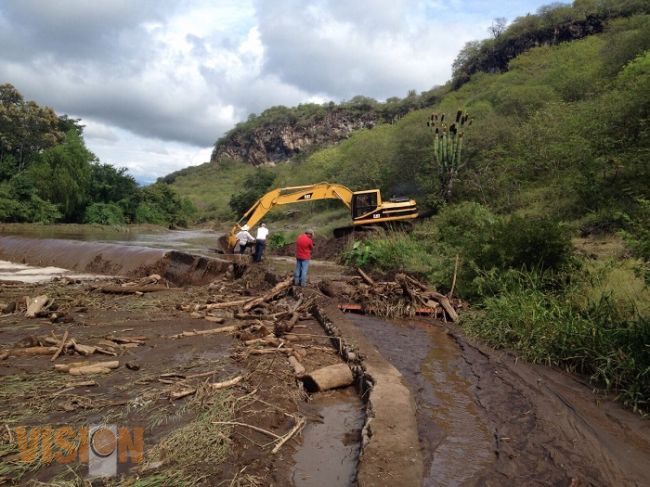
(279,140)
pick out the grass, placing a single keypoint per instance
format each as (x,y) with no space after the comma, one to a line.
(32,393)
(199,445)
(210,187)
(601,337)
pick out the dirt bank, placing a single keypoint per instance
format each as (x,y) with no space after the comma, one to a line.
(324,248)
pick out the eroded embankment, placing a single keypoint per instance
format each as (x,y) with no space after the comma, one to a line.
(103,258)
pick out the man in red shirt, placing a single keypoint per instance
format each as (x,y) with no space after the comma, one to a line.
(304,246)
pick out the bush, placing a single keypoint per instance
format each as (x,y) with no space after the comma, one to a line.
(104,214)
(524,243)
(604,340)
(255,186)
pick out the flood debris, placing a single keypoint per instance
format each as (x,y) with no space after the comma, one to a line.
(404,296)
(330,377)
(35,305)
(150,284)
(87,368)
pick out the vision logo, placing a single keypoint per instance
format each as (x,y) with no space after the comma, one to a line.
(103,447)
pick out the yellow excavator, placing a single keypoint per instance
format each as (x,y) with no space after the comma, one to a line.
(366,207)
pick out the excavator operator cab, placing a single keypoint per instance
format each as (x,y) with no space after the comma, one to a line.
(364,202)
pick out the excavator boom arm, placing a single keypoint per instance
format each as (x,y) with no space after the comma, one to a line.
(285,196)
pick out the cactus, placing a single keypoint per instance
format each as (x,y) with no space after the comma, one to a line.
(448,147)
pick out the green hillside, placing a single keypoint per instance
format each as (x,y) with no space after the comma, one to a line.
(547,229)
(563,132)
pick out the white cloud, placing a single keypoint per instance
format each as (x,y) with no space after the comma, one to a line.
(158,82)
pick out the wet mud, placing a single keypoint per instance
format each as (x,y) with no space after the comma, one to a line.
(485,418)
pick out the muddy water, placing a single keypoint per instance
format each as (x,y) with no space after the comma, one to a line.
(331,441)
(457,443)
(195,241)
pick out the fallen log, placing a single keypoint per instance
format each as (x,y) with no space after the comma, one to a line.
(214,319)
(89,370)
(226,304)
(113,364)
(329,377)
(299,424)
(266,351)
(298,368)
(445,303)
(223,329)
(281,328)
(31,351)
(118,339)
(277,289)
(183,393)
(112,289)
(226,383)
(84,349)
(267,340)
(85,383)
(216,386)
(369,280)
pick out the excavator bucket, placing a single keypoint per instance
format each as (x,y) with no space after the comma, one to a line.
(222,245)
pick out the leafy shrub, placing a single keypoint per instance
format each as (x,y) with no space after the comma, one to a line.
(104,214)
(361,253)
(601,340)
(524,243)
(278,240)
(150,213)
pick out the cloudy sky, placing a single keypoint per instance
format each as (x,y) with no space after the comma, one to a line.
(157,82)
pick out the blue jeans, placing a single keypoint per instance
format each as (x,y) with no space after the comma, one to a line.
(300,272)
(259,250)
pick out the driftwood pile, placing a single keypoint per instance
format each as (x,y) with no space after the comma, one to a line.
(402,297)
(55,347)
(265,324)
(36,307)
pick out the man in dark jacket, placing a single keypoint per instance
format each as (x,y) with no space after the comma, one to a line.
(304,246)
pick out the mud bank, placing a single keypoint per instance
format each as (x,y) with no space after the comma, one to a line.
(111,259)
(485,418)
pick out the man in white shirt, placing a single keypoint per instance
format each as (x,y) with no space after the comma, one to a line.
(260,242)
(243,239)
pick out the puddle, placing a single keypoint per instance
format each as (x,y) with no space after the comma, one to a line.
(457,444)
(330,448)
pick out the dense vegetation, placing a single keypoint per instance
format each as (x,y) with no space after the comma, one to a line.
(48,175)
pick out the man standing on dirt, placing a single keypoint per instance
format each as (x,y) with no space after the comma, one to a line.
(243,239)
(304,246)
(260,242)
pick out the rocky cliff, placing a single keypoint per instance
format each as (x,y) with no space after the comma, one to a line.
(278,138)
